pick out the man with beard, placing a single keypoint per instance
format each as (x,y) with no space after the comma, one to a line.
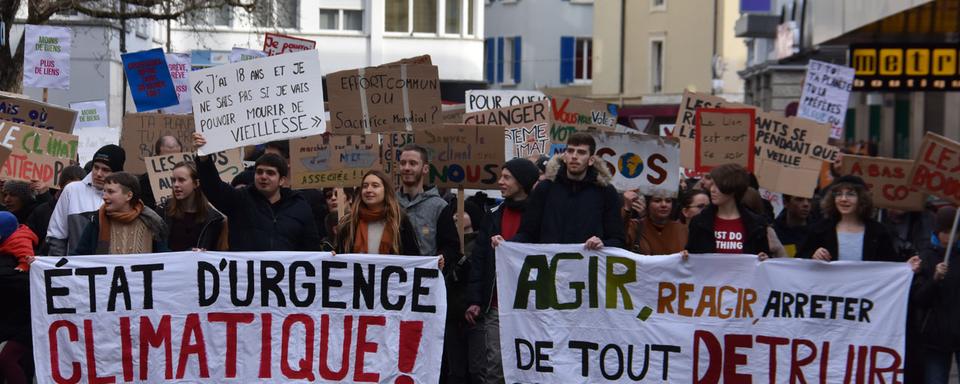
(575,203)
(422,203)
(517,178)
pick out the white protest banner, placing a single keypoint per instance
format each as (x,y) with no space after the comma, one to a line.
(256,101)
(179,64)
(276,44)
(90,114)
(650,163)
(93,138)
(243,54)
(568,315)
(46,56)
(204,317)
(484,99)
(826,92)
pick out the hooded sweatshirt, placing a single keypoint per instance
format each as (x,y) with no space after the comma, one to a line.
(73,212)
(424,210)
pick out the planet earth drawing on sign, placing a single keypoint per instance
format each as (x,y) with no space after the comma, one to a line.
(630,165)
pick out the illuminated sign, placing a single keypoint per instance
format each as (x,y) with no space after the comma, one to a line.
(905,67)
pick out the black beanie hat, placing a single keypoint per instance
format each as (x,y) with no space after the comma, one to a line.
(524,171)
(112,156)
(849,179)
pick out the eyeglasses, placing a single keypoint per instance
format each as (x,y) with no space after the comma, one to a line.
(698,206)
(847,194)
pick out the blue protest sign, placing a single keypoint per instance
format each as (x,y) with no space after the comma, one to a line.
(150,83)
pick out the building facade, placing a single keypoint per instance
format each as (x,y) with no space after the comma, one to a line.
(535,44)
(654,49)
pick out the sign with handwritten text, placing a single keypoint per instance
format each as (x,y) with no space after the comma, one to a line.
(526,127)
(179,64)
(724,136)
(388,98)
(464,156)
(46,56)
(37,114)
(826,92)
(276,44)
(256,101)
(323,161)
(141,130)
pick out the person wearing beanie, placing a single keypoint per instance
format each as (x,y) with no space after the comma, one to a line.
(19,198)
(79,202)
(935,294)
(848,231)
(16,253)
(517,178)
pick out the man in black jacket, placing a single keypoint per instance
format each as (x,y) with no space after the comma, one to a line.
(517,178)
(575,203)
(263,216)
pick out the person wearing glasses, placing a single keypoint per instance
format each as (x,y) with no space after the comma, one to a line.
(848,232)
(692,203)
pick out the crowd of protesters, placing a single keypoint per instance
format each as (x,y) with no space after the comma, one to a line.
(568,198)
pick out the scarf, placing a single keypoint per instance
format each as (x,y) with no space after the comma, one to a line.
(515,205)
(124,217)
(368,215)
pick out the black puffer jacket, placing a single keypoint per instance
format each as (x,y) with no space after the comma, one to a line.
(877,242)
(937,302)
(255,224)
(564,211)
(483,270)
(701,238)
(209,236)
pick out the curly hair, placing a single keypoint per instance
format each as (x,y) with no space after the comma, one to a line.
(864,209)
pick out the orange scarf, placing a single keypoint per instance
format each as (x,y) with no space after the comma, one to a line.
(125,217)
(368,215)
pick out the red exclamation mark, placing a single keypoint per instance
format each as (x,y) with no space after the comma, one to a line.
(410,334)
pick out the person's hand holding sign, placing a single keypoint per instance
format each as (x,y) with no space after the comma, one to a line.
(199,141)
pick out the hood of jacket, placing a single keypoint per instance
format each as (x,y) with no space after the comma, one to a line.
(556,170)
(20,242)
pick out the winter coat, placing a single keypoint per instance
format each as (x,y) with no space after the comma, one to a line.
(565,211)
(701,238)
(255,224)
(483,272)
(408,238)
(212,227)
(791,237)
(424,210)
(937,301)
(90,241)
(877,243)
(15,248)
(72,214)
(39,221)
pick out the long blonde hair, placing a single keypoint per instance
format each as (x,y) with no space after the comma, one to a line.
(394,215)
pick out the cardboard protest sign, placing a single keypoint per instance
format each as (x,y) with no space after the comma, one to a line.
(46,56)
(179,65)
(31,153)
(718,318)
(724,136)
(790,180)
(793,142)
(416,60)
(936,169)
(384,99)
(149,78)
(257,101)
(463,156)
(569,115)
(525,127)
(484,99)
(826,92)
(140,133)
(324,161)
(238,54)
(685,127)
(276,44)
(94,138)
(453,114)
(356,318)
(637,161)
(91,114)
(390,145)
(887,179)
(160,169)
(37,114)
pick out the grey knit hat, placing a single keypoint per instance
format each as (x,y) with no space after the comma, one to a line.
(19,189)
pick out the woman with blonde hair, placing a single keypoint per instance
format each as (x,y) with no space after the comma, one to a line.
(377,224)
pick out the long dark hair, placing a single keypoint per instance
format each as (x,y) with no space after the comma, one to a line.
(178,209)
(349,222)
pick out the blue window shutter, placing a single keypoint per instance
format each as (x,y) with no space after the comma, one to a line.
(489,43)
(516,59)
(499,60)
(567,46)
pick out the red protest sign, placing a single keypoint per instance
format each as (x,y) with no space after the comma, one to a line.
(275,44)
(936,169)
(724,135)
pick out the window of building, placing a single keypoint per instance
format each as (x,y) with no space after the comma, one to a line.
(398,16)
(211,16)
(656,66)
(352,20)
(330,19)
(508,60)
(277,14)
(658,5)
(470,17)
(341,19)
(503,62)
(583,60)
(425,16)
(453,17)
